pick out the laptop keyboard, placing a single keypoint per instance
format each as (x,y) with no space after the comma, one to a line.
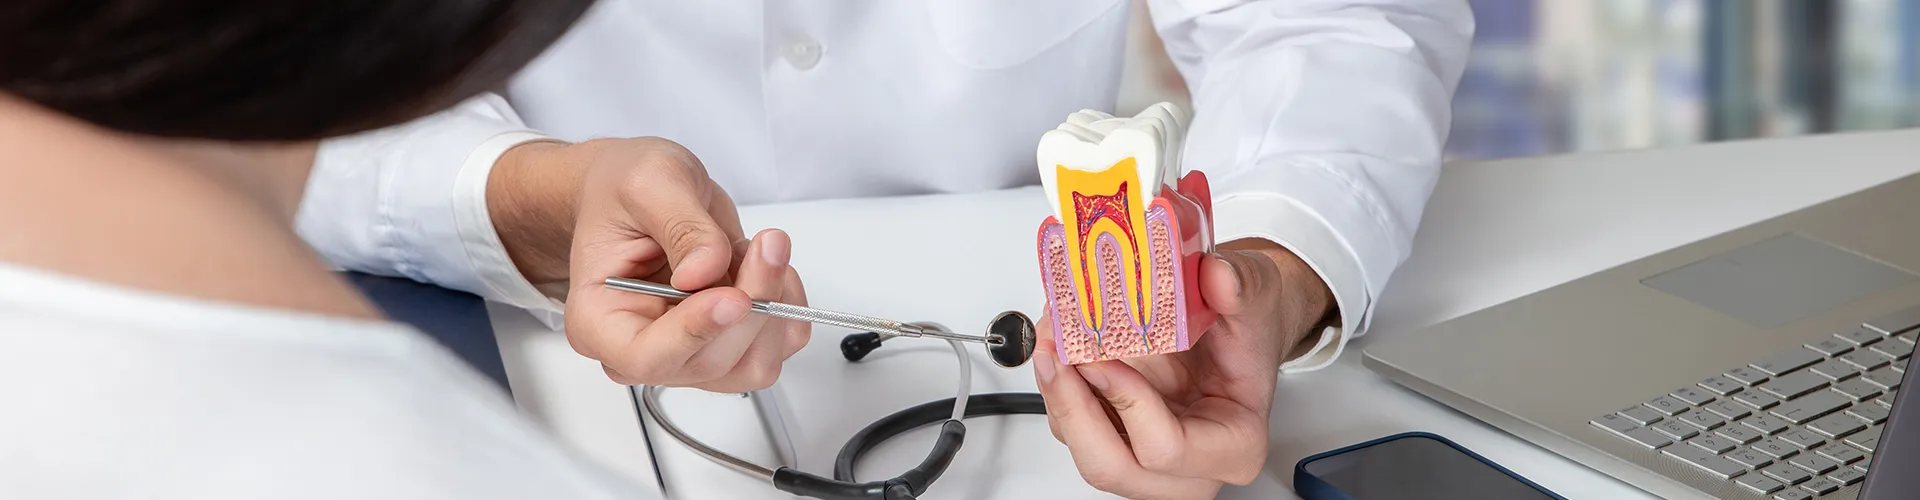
(1796,425)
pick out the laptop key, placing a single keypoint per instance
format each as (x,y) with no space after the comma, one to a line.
(1896,322)
(1767,425)
(1834,369)
(1759,483)
(1893,349)
(1860,336)
(1820,486)
(1813,463)
(1746,375)
(1692,396)
(1701,459)
(1728,410)
(1836,425)
(1864,462)
(1872,413)
(1720,386)
(1641,415)
(1813,406)
(1750,458)
(1786,473)
(1847,476)
(1790,360)
(1756,399)
(1859,390)
(1712,443)
(1614,422)
(1884,378)
(1840,453)
(1802,439)
(1738,433)
(1866,440)
(1829,346)
(1774,447)
(1666,405)
(1705,421)
(1646,438)
(1793,494)
(1674,429)
(1866,360)
(1793,385)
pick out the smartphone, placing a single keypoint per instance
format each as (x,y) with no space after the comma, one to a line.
(1414,465)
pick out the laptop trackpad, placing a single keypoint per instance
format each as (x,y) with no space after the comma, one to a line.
(1779,280)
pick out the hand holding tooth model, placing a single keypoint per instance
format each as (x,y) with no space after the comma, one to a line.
(1133,279)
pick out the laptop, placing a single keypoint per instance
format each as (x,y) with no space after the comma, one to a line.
(1761,363)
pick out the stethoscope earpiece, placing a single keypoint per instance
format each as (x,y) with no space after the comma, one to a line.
(1016,334)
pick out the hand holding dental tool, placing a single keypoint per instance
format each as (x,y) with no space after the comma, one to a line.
(1009,338)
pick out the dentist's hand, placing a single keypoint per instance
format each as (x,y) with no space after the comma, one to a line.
(644,208)
(1180,425)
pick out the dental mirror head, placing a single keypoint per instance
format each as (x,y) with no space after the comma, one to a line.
(1015,333)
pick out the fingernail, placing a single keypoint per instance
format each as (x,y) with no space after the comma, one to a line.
(728,311)
(692,257)
(1238,283)
(1094,377)
(776,248)
(1044,368)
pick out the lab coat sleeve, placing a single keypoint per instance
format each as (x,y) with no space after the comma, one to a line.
(1321,125)
(410,201)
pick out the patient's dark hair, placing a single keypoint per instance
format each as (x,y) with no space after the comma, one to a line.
(267,69)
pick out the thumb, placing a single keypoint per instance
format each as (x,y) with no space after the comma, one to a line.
(1240,283)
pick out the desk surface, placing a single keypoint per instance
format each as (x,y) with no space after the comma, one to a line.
(1493,231)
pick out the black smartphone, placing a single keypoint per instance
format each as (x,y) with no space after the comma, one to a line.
(1414,465)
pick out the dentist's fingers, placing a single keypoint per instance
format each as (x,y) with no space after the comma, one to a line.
(1210,442)
(729,364)
(660,352)
(1152,430)
(673,202)
(600,320)
(779,339)
(1101,455)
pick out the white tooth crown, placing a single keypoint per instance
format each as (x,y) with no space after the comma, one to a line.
(1093,141)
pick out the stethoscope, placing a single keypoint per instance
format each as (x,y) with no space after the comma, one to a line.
(1009,343)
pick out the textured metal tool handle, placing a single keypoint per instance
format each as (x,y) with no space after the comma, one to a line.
(840,319)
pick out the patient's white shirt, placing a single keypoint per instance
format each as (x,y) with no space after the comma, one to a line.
(107,392)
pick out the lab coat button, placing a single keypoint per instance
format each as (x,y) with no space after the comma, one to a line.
(803,54)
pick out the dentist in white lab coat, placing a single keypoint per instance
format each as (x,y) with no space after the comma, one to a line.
(1319,122)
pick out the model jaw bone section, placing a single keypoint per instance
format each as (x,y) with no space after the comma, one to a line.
(1120,256)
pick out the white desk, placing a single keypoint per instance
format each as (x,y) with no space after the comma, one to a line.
(1493,231)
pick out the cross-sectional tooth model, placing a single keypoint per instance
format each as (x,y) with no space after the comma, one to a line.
(1120,256)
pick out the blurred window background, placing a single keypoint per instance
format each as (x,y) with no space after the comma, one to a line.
(1561,76)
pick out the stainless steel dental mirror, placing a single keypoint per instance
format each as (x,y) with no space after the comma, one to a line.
(1009,338)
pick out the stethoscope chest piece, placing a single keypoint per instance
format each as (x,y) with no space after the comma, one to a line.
(1016,335)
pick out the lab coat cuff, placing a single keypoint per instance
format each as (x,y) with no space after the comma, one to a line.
(1292,224)
(481,241)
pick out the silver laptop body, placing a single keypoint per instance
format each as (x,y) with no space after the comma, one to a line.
(1715,369)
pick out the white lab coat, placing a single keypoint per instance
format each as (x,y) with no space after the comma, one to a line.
(1319,122)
